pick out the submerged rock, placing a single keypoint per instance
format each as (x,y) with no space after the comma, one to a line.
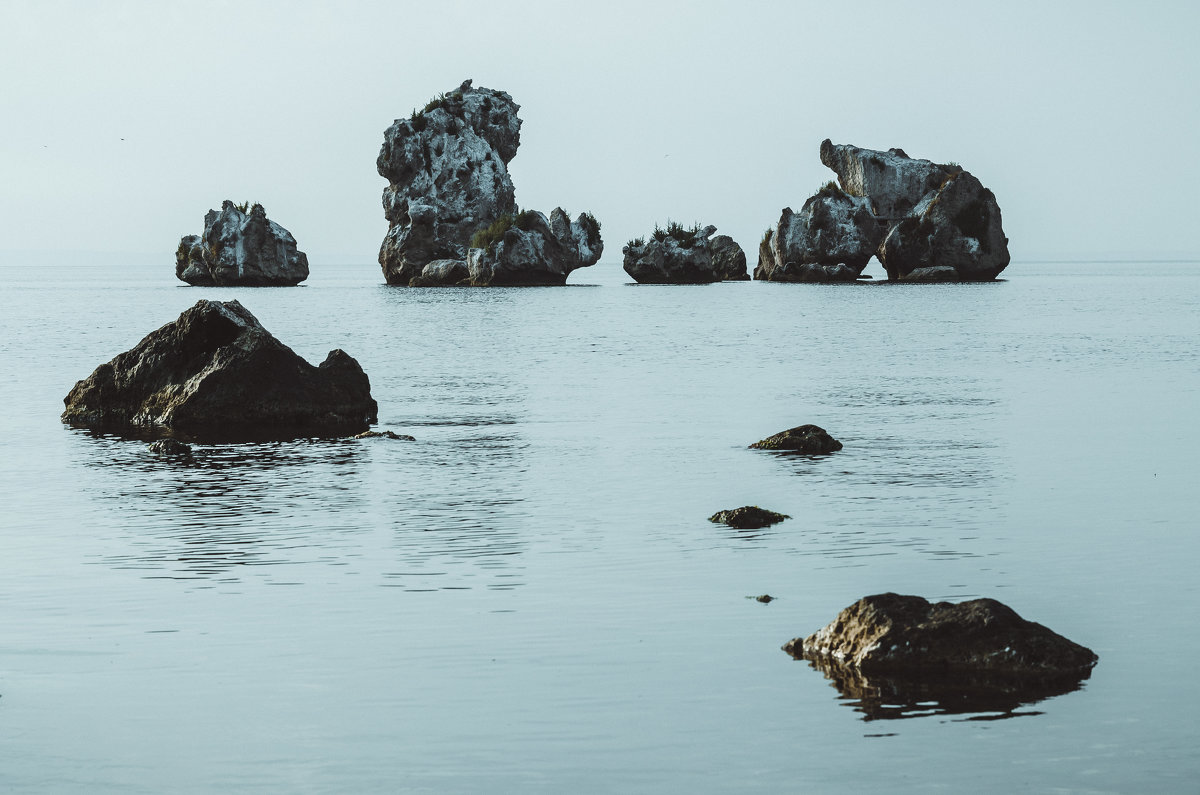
(935,216)
(678,255)
(170,448)
(831,239)
(748,517)
(404,437)
(448,181)
(216,372)
(806,439)
(527,248)
(240,247)
(893,633)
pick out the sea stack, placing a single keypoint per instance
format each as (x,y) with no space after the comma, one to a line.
(240,246)
(449,192)
(682,255)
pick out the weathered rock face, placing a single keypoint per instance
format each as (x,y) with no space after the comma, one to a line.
(240,248)
(936,216)
(535,250)
(958,227)
(215,372)
(728,259)
(894,633)
(748,517)
(803,439)
(447,172)
(831,239)
(684,256)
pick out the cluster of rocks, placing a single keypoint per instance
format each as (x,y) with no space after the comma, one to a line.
(677,255)
(451,207)
(925,221)
(240,246)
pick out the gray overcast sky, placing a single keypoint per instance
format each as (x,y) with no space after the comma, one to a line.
(126,121)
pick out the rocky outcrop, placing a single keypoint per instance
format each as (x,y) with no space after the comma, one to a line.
(803,439)
(399,437)
(678,255)
(748,517)
(240,247)
(890,633)
(215,372)
(527,248)
(934,216)
(447,173)
(831,239)
(728,259)
(171,448)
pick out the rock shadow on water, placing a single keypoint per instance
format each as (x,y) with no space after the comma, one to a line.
(974,696)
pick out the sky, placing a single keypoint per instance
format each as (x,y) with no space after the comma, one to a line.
(126,121)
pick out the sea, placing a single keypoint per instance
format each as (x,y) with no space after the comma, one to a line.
(530,597)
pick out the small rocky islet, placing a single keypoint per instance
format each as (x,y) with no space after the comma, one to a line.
(240,247)
(679,255)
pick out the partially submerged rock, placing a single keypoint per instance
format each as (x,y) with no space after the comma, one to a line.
(448,180)
(805,439)
(404,437)
(748,517)
(890,633)
(527,248)
(240,247)
(216,372)
(831,239)
(933,215)
(679,255)
(170,448)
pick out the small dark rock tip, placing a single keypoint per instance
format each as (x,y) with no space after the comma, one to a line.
(805,439)
(170,448)
(384,435)
(748,517)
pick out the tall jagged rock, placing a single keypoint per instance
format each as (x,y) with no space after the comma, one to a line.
(940,222)
(831,239)
(215,372)
(240,248)
(678,255)
(534,250)
(447,172)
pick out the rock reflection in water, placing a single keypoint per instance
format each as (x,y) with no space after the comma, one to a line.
(981,696)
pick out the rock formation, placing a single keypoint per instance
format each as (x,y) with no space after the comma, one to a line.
(831,239)
(803,439)
(678,255)
(171,448)
(527,248)
(890,633)
(215,372)
(240,248)
(935,216)
(748,517)
(447,172)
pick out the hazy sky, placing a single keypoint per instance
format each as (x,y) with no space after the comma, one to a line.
(126,121)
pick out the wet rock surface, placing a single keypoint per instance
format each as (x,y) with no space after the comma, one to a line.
(170,448)
(240,246)
(216,373)
(403,437)
(678,255)
(748,517)
(891,633)
(804,439)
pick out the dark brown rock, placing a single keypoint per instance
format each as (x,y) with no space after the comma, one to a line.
(890,633)
(170,448)
(806,439)
(403,437)
(748,517)
(216,372)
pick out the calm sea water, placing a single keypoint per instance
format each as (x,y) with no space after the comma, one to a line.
(529,597)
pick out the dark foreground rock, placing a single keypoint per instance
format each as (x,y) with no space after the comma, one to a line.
(170,448)
(448,182)
(679,255)
(890,633)
(240,247)
(215,372)
(805,439)
(748,517)
(403,437)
